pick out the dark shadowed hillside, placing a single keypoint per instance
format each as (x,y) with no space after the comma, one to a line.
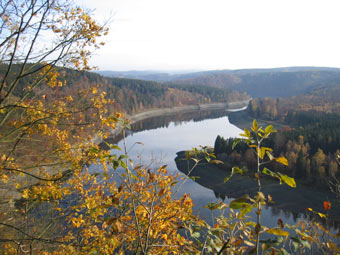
(282,82)
(275,82)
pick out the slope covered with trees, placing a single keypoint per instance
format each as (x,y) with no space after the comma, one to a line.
(51,108)
(324,99)
(129,95)
(281,82)
(51,201)
(309,137)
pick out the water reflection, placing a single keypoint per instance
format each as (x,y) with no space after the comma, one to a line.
(177,119)
(290,202)
(163,137)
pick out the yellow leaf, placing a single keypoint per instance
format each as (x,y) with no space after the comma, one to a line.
(277,232)
(288,180)
(246,132)
(282,160)
(262,152)
(248,243)
(4,178)
(255,126)
(25,194)
(322,215)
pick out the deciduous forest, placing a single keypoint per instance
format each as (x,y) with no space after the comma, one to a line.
(51,110)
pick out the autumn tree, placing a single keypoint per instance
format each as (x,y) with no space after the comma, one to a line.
(53,203)
(42,127)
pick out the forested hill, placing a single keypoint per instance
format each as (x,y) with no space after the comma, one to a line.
(132,95)
(275,82)
(324,99)
(268,83)
(309,136)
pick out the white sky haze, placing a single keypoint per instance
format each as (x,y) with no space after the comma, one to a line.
(217,34)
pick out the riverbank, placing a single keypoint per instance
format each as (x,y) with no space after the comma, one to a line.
(287,199)
(242,119)
(9,193)
(232,106)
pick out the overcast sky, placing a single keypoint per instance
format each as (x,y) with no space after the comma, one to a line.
(217,34)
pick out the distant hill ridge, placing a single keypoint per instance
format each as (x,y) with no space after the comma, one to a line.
(130,95)
(273,82)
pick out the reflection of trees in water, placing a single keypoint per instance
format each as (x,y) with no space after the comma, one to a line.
(210,177)
(219,196)
(164,121)
(177,119)
(288,213)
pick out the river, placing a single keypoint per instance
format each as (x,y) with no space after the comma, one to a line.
(155,142)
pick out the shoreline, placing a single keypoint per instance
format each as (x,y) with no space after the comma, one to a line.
(288,199)
(10,193)
(232,106)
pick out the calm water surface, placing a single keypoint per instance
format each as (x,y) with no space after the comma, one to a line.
(162,137)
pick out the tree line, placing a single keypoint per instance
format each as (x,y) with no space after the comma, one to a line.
(311,148)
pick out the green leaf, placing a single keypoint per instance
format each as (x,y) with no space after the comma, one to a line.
(115,164)
(260,196)
(127,125)
(277,232)
(114,147)
(196,235)
(122,163)
(237,140)
(284,252)
(123,156)
(255,126)
(133,176)
(194,177)
(213,206)
(282,177)
(227,178)
(233,171)
(288,180)
(245,210)
(239,203)
(236,169)
(263,151)
(268,129)
(268,172)
(269,242)
(270,156)
(93,251)
(247,132)
(195,160)
(301,242)
(94,150)
(217,162)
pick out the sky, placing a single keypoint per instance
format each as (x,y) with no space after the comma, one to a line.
(217,34)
